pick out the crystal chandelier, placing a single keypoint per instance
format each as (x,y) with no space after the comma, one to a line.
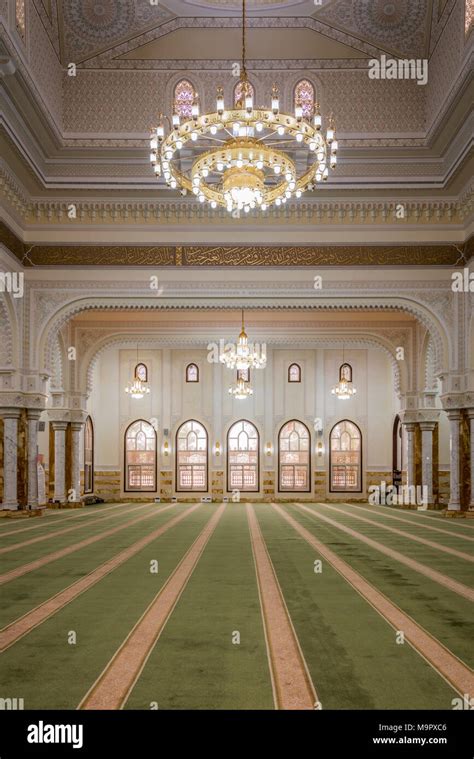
(240,389)
(244,355)
(344,389)
(244,157)
(136,388)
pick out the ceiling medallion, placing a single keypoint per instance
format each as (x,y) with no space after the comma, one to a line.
(246,157)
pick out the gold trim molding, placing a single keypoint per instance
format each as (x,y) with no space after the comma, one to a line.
(231,256)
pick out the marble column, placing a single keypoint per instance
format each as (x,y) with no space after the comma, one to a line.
(427,429)
(411,463)
(10,457)
(76,428)
(33,417)
(470,413)
(455,459)
(59,461)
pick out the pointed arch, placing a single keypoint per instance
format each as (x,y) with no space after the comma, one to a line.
(345,458)
(238,92)
(294,458)
(192,459)
(140,457)
(243,457)
(183,98)
(304,95)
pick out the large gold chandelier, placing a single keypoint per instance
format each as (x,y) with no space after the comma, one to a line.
(244,157)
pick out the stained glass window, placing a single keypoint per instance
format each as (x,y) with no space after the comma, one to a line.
(238,92)
(141,372)
(304,96)
(183,99)
(243,457)
(294,373)
(294,457)
(346,457)
(140,457)
(191,457)
(192,373)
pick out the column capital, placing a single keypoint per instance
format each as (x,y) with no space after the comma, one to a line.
(77,426)
(10,413)
(470,413)
(428,426)
(59,425)
(34,413)
(454,414)
(409,426)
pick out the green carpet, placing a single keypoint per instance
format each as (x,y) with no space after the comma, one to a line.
(350,650)
(195,665)
(102,617)
(444,614)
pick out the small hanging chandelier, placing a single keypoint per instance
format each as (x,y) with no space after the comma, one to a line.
(244,355)
(344,389)
(137,388)
(244,157)
(240,390)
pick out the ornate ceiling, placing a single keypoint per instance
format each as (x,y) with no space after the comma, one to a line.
(82,139)
(87,28)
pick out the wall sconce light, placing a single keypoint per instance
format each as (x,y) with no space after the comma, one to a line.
(320,448)
(268,449)
(217,449)
(166,447)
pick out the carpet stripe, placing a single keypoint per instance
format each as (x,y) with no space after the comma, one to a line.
(23,625)
(438,656)
(55,534)
(293,686)
(433,574)
(421,516)
(409,535)
(46,521)
(401,519)
(38,563)
(112,688)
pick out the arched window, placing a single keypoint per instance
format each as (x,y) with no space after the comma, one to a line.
(243,374)
(304,96)
(346,457)
(140,457)
(88,456)
(243,457)
(141,372)
(294,457)
(191,457)
(184,95)
(192,373)
(345,373)
(238,93)
(294,373)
